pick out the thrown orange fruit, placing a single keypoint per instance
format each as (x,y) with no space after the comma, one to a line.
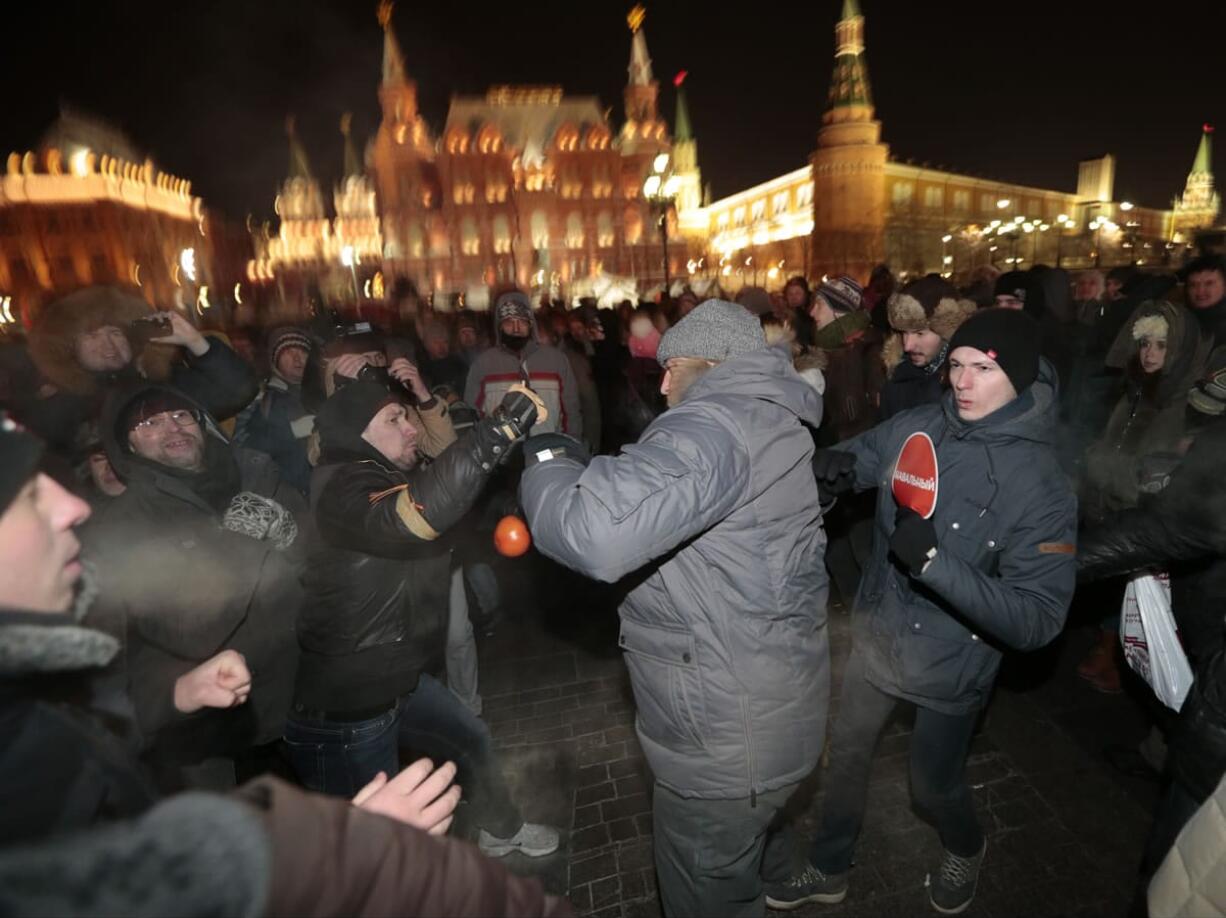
(511,537)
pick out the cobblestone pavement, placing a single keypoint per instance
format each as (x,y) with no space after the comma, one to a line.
(1065,831)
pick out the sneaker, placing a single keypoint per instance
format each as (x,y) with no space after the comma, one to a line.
(531,840)
(810,886)
(953,888)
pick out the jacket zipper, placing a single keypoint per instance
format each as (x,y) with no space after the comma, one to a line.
(753,790)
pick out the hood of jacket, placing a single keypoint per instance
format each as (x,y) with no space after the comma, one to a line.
(765,374)
(1185,348)
(1030,416)
(221,477)
(54,336)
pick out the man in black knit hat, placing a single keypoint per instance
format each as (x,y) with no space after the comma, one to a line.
(991,566)
(374,623)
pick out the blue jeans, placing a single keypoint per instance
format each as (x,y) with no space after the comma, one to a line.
(939,744)
(341,757)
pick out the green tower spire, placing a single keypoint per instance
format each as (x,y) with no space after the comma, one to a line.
(849,86)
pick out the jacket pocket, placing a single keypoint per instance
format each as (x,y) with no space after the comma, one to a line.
(974,534)
(667,682)
(940,659)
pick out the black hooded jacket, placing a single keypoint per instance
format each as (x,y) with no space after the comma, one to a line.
(1182,530)
(178,587)
(60,769)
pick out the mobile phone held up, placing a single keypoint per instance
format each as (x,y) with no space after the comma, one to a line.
(146,328)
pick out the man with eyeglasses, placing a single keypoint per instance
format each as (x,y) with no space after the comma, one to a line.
(200,554)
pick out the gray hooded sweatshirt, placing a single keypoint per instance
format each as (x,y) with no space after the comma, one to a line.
(714,516)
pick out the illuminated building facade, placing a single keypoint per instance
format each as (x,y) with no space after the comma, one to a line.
(86,208)
(854,206)
(525,185)
(340,254)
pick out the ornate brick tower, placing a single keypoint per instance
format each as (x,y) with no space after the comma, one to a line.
(1198,207)
(849,212)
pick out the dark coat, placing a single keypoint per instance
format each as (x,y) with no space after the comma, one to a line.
(910,386)
(714,515)
(60,769)
(1003,576)
(179,588)
(378,582)
(1182,530)
(267,849)
(218,379)
(854,376)
(1148,421)
(276,423)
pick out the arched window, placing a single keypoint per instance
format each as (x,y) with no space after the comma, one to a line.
(502,234)
(540,230)
(470,242)
(604,229)
(634,226)
(574,230)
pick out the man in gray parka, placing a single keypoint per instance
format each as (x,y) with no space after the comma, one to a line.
(714,516)
(993,567)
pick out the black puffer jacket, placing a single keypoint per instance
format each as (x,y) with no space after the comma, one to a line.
(1183,530)
(378,582)
(178,588)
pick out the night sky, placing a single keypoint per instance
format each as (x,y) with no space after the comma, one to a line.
(1018,93)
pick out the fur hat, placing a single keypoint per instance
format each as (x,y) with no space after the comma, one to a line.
(53,339)
(929,303)
(1154,327)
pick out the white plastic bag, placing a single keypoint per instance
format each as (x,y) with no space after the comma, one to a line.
(1151,640)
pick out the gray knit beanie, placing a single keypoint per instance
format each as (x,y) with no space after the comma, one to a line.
(715,330)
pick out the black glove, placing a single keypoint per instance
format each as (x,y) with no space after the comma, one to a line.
(544,447)
(835,471)
(519,409)
(914,541)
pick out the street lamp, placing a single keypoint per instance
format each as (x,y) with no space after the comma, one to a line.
(349,261)
(660,188)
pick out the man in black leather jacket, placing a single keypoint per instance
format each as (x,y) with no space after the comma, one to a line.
(1183,531)
(374,624)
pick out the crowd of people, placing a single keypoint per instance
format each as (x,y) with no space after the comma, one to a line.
(240,570)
